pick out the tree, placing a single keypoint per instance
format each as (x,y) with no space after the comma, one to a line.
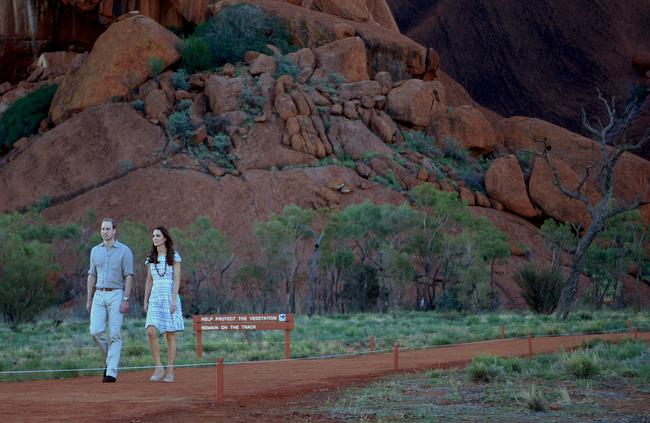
(611,143)
(441,217)
(26,271)
(281,239)
(206,257)
(492,246)
(559,238)
(137,237)
(611,254)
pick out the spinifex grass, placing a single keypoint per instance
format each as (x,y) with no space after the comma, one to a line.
(68,345)
(525,390)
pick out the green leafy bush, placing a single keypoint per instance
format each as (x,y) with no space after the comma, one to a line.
(240,28)
(195,54)
(21,119)
(286,67)
(540,288)
(26,267)
(180,79)
(421,143)
(179,127)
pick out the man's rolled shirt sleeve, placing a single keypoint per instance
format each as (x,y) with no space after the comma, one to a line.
(127,263)
(92,270)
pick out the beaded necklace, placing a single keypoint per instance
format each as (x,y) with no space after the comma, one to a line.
(155,265)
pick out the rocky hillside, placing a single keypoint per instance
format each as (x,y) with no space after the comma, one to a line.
(542,60)
(357,112)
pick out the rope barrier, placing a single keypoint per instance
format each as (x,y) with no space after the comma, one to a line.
(320,357)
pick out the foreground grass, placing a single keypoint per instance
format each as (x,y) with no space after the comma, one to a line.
(603,381)
(67,345)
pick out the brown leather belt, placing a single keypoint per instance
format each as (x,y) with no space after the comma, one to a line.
(107,289)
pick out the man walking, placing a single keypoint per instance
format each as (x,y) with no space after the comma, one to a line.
(110,278)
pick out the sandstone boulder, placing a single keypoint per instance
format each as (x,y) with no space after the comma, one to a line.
(157,105)
(306,61)
(412,102)
(358,90)
(468,125)
(224,94)
(381,14)
(355,10)
(355,139)
(504,181)
(115,65)
(263,148)
(263,63)
(346,57)
(548,196)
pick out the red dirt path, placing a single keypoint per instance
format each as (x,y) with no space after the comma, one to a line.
(266,391)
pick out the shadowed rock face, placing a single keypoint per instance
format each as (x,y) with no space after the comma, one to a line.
(29,27)
(529,58)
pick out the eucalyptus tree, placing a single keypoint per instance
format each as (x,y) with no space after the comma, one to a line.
(281,238)
(206,256)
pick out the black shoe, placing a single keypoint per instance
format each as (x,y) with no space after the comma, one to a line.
(109,379)
(104,375)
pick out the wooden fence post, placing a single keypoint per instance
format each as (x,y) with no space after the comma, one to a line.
(287,344)
(395,356)
(220,381)
(199,343)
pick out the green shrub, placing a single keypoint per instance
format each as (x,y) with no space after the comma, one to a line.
(583,364)
(179,127)
(533,399)
(240,28)
(483,368)
(180,79)
(138,105)
(21,119)
(252,102)
(421,143)
(453,149)
(214,124)
(286,67)
(195,54)
(25,267)
(390,181)
(540,288)
(525,158)
(155,66)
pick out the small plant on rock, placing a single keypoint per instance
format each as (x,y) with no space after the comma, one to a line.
(180,79)
(155,66)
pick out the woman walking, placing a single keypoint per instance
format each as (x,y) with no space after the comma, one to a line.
(162,302)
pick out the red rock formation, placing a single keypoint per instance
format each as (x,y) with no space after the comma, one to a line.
(504,181)
(28,27)
(521,58)
(631,176)
(117,63)
(86,151)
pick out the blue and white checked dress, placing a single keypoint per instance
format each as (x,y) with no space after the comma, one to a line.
(158,314)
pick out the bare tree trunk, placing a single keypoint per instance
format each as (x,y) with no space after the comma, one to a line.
(570,290)
(313,273)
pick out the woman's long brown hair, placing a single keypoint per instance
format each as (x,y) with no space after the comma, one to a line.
(169,244)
